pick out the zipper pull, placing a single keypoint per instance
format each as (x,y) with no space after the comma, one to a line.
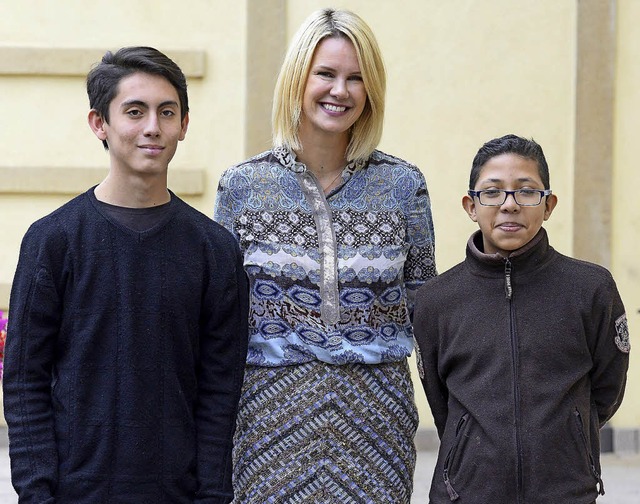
(453,495)
(600,483)
(507,278)
(596,474)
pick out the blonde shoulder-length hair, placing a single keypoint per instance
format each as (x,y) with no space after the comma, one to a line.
(289,91)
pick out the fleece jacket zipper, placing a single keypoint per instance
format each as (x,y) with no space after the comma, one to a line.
(516,373)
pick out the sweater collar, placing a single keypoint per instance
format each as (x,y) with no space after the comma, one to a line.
(173,206)
(526,258)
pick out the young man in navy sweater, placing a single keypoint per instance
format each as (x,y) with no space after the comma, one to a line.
(128,324)
(524,351)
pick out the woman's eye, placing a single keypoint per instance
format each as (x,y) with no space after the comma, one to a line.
(356,78)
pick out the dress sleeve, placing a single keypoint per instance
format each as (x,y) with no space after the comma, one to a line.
(420,264)
(36,308)
(610,352)
(223,351)
(226,205)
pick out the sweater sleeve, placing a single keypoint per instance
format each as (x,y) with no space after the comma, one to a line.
(36,307)
(610,351)
(223,351)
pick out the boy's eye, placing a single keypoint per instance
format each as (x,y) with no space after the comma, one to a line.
(168,113)
(528,192)
(492,193)
(134,112)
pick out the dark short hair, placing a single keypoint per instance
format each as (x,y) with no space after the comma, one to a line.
(104,78)
(510,144)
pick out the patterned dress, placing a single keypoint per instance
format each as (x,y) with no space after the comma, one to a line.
(327,412)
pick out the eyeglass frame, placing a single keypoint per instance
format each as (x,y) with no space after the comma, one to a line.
(541,192)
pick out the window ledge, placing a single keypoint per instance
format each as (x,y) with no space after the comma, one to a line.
(77,62)
(47,180)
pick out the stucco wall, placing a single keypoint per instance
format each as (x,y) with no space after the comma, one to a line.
(626,181)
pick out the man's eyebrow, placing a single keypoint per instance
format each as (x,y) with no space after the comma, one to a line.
(172,103)
(490,181)
(143,104)
(139,103)
(521,179)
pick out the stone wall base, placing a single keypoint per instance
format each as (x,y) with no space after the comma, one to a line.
(622,441)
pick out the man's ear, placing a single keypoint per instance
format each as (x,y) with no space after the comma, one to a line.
(185,126)
(469,205)
(97,123)
(550,203)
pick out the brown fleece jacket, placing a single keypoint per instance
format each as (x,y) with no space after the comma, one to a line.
(523,360)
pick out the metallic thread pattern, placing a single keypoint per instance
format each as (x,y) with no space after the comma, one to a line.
(322,434)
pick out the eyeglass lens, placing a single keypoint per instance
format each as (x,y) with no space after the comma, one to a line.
(523,197)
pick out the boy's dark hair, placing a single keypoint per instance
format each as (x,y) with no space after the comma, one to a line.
(512,144)
(104,78)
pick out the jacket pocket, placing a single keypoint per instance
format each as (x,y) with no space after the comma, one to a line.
(453,456)
(587,450)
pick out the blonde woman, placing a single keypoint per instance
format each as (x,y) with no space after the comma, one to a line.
(336,237)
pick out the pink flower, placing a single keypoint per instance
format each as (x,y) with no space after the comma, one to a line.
(3,338)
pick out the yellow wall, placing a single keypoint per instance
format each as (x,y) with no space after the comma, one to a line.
(626,181)
(459,73)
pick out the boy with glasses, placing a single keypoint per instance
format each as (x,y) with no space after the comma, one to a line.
(523,352)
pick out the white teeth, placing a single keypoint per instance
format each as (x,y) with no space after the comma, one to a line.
(334,108)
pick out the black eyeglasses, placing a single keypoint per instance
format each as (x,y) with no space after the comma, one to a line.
(497,197)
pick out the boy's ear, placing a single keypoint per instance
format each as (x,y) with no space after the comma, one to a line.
(184,127)
(96,123)
(549,205)
(469,205)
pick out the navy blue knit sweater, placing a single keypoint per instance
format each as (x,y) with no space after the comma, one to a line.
(124,358)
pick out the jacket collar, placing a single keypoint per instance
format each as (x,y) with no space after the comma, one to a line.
(524,259)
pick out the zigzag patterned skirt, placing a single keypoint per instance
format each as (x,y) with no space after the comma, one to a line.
(323,434)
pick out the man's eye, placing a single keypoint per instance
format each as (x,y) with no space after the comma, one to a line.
(168,113)
(528,192)
(492,193)
(134,113)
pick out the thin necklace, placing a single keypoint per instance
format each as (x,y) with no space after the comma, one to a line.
(326,188)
